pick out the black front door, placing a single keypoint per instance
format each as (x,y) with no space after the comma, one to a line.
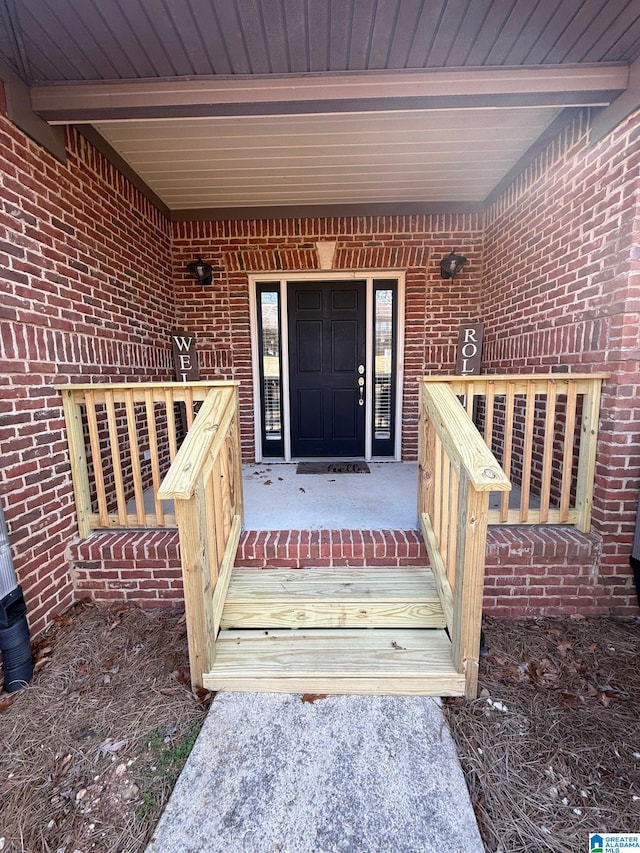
(327,344)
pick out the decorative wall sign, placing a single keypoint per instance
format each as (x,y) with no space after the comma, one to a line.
(469,350)
(185,357)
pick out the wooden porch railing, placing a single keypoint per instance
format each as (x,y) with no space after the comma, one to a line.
(456,473)
(544,430)
(205,482)
(122,440)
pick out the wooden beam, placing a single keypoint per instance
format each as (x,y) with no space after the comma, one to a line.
(20,112)
(625,104)
(322,211)
(593,84)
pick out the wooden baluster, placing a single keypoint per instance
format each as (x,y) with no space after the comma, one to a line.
(154,454)
(215,554)
(134,452)
(97,458)
(453,531)
(509,405)
(218,492)
(114,442)
(169,400)
(238,498)
(530,408)
(567,455)
(444,498)
(489,413)
(188,405)
(547,457)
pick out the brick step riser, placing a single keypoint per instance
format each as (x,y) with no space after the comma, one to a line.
(340,548)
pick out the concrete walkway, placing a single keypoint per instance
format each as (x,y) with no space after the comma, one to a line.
(357,774)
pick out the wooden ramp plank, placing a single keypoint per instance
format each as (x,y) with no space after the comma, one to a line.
(324,597)
(373,661)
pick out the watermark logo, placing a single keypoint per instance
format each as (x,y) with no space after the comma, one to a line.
(614,842)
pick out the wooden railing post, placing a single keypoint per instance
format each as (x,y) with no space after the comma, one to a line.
(587,455)
(473,509)
(426,462)
(205,483)
(193,525)
(454,523)
(78,460)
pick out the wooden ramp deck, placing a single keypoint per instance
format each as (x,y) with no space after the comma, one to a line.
(334,631)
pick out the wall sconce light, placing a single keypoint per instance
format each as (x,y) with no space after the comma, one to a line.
(201,272)
(451,264)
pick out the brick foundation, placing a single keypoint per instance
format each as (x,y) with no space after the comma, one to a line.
(530,571)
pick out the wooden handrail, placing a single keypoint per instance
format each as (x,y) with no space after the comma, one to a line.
(461,440)
(205,483)
(457,472)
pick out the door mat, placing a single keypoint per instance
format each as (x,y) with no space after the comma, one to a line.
(332,468)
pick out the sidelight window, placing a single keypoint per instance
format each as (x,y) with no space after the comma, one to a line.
(383,366)
(270,369)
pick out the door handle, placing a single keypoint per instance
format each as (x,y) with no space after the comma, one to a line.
(361,391)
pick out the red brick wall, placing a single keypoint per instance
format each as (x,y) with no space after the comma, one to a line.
(561,287)
(434,308)
(88,271)
(85,294)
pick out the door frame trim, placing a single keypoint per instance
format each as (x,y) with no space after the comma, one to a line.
(344,275)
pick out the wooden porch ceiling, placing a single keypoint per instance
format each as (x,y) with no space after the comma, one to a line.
(272,107)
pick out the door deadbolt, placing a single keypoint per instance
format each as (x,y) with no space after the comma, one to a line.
(361,369)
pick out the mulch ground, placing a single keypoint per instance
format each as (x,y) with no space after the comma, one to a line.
(551,748)
(90,751)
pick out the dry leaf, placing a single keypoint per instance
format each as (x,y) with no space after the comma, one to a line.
(268,483)
(313,697)
(570,699)
(201,694)
(6,703)
(63,620)
(41,663)
(183,675)
(110,746)
(564,646)
(301,489)
(396,645)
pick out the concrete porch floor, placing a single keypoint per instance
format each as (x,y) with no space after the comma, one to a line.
(276,498)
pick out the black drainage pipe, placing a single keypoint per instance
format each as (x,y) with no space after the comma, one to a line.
(14,630)
(635,555)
